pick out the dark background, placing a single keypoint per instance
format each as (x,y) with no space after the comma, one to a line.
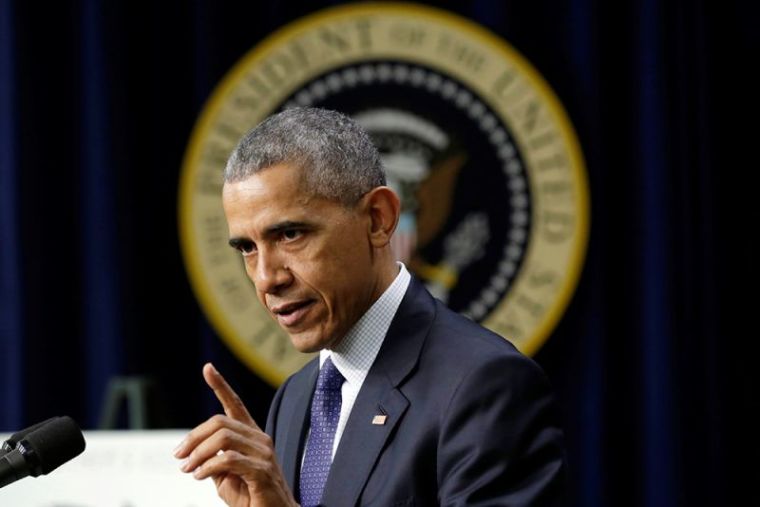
(653,363)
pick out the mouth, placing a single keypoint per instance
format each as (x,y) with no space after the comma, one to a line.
(291,314)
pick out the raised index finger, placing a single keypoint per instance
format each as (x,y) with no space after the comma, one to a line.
(231,402)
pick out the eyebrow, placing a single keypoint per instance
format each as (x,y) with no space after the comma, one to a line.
(283,226)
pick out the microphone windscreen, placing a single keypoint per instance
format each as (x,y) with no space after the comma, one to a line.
(16,437)
(56,443)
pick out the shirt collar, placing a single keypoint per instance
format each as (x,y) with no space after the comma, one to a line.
(356,352)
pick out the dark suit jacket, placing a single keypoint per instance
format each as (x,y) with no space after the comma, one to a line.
(469,420)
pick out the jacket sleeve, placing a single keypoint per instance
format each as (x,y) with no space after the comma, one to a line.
(499,442)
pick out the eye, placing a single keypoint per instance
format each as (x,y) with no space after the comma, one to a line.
(246,247)
(291,234)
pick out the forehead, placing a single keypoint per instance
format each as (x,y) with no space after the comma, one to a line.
(273,195)
(270,183)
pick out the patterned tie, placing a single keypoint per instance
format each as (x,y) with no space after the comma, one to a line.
(325,411)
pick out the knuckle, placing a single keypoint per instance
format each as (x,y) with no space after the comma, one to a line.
(230,457)
(226,437)
(217,420)
(267,455)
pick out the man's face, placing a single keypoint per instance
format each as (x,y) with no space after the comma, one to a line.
(310,258)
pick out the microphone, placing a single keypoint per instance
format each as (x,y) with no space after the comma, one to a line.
(13,440)
(42,451)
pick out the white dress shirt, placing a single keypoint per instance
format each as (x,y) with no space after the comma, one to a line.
(356,352)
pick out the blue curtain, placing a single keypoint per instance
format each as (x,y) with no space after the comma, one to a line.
(100,241)
(656,399)
(652,362)
(11,296)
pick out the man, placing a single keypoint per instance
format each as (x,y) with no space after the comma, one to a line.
(408,403)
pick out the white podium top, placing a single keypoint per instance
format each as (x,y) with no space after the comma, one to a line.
(117,469)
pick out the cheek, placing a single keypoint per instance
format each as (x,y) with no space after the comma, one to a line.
(249,273)
(262,299)
(352,285)
(248,268)
(329,281)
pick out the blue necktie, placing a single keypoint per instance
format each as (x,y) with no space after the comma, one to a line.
(325,412)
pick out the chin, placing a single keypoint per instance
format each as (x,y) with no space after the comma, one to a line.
(307,344)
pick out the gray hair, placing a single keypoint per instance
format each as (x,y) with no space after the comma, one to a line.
(336,156)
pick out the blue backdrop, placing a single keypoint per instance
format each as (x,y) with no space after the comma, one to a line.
(653,360)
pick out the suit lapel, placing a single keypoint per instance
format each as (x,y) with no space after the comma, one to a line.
(297,429)
(362,442)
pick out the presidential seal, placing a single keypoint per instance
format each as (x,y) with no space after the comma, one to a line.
(488,167)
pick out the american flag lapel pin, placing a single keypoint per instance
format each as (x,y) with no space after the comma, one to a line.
(379,419)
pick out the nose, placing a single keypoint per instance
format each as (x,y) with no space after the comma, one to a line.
(270,275)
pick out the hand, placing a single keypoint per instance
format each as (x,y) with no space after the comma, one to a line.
(235,452)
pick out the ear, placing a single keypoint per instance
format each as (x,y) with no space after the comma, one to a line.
(384,209)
